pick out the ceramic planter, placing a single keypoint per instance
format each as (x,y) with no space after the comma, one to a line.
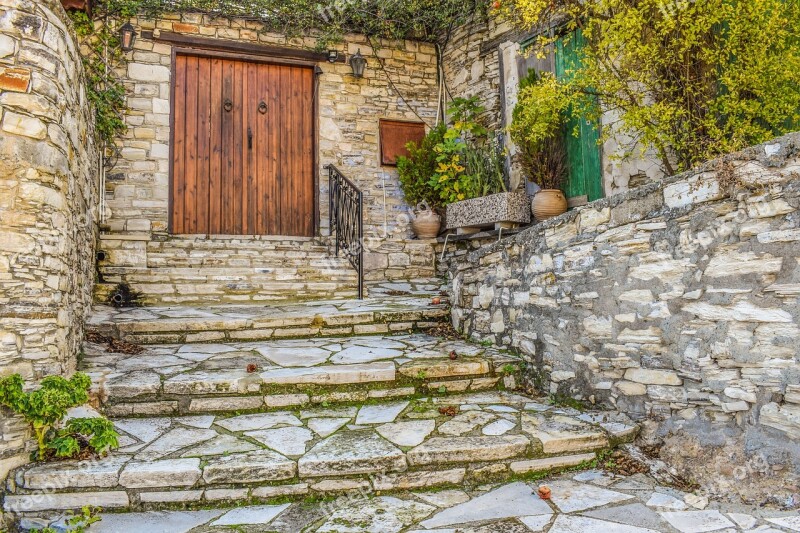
(426,224)
(82,5)
(502,210)
(548,203)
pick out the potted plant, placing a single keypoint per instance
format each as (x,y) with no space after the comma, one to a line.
(537,130)
(415,171)
(470,178)
(546,166)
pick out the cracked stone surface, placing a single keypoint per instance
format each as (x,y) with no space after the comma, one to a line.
(611,506)
(221,369)
(412,443)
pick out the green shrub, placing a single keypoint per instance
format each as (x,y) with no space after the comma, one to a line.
(419,167)
(45,407)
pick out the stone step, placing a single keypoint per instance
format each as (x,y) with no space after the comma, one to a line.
(244,376)
(219,269)
(378,314)
(385,446)
(229,292)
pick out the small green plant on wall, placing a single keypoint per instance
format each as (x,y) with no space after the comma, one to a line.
(44,409)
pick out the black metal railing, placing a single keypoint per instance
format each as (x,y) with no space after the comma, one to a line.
(346,208)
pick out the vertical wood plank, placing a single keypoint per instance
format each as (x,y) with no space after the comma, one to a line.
(307,155)
(178,153)
(203,144)
(215,169)
(273,177)
(251,188)
(239,155)
(228,152)
(190,194)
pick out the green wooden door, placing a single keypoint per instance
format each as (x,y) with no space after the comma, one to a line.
(585,172)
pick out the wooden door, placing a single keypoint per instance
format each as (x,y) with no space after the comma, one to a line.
(242,149)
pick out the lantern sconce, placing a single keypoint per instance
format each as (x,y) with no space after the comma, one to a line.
(358,63)
(127,37)
(333,55)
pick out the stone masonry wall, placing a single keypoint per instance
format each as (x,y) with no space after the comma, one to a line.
(676,302)
(48,194)
(400,83)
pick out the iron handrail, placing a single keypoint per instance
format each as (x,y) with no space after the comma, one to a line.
(346,215)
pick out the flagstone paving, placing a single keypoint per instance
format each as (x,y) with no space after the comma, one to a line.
(389,445)
(192,378)
(587,502)
(391,307)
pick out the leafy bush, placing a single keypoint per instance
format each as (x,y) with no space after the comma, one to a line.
(537,130)
(689,80)
(467,163)
(45,407)
(419,167)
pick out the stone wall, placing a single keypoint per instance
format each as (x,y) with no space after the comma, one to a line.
(48,194)
(676,302)
(400,83)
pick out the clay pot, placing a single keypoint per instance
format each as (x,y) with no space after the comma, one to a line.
(548,203)
(426,224)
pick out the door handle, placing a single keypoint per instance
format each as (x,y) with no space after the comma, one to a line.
(249,138)
(228,105)
(262,107)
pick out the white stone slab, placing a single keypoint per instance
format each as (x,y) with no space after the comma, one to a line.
(325,427)
(384,514)
(364,354)
(177,439)
(513,500)
(153,521)
(380,413)
(789,522)
(163,473)
(536,523)
(697,521)
(351,452)
(570,496)
(221,444)
(288,441)
(294,357)
(443,498)
(254,515)
(259,421)
(582,524)
(499,427)
(332,374)
(407,433)
(665,502)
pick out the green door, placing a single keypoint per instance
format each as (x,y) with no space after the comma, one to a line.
(585,172)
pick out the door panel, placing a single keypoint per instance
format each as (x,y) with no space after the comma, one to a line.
(243,141)
(581,135)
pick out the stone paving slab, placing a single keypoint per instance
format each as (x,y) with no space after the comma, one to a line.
(388,445)
(390,307)
(191,378)
(590,502)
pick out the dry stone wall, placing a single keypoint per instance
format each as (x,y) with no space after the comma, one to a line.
(48,194)
(400,83)
(676,302)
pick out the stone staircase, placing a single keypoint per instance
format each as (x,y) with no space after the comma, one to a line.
(204,421)
(192,270)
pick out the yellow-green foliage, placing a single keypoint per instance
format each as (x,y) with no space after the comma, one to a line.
(690,79)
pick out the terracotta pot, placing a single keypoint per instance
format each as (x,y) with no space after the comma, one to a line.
(548,203)
(426,224)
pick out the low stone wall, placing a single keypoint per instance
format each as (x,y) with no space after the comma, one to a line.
(48,194)
(676,302)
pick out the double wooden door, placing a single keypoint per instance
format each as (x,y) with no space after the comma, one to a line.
(242,148)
